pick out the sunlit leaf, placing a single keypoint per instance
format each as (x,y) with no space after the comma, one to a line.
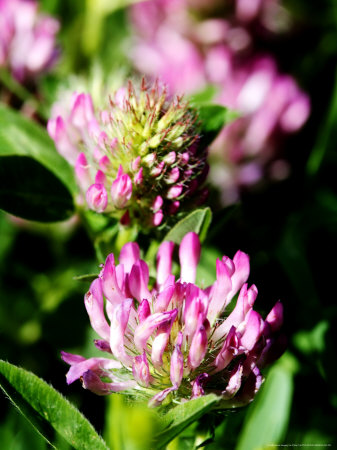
(197,221)
(204,96)
(206,272)
(267,419)
(180,417)
(129,425)
(21,136)
(47,409)
(213,118)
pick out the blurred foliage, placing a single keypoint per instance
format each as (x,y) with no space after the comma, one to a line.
(46,409)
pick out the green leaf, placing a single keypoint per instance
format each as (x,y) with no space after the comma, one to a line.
(16,433)
(309,342)
(180,417)
(206,270)
(203,97)
(197,221)
(213,119)
(129,425)
(36,183)
(46,409)
(268,416)
(30,191)
(325,138)
(21,136)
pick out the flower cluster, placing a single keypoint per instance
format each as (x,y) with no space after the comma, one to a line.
(208,44)
(176,341)
(137,159)
(27,39)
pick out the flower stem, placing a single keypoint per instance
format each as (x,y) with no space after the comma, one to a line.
(21,92)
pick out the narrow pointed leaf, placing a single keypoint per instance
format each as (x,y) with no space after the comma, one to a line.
(47,409)
(267,420)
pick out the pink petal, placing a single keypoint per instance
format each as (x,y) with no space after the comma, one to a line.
(138,281)
(97,197)
(161,340)
(189,255)
(234,382)
(92,382)
(177,362)
(143,310)
(82,171)
(98,365)
(163,299)
(94,305)
(121,191)
(119,322)
(237,316)
(158,399)
(198,384)
(147,327)
(220,291)
(71,359)
(242,268)
(164,261)
(252,331)
(198,348)
(141,371)
(157,218)
(275,317)
(110,285)
(129,255)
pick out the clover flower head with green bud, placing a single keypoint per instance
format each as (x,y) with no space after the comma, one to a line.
(137,159)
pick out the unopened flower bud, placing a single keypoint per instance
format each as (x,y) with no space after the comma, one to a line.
(198,348)
(145,143)
(158,218)
(140,370)
(174,192)
(97,197)
(177,363)
(173,176)
(121,191)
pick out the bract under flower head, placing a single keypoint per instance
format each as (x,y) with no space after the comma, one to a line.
(142,150)
(176,341)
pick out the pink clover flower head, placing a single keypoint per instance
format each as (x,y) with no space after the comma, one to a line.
(176,341)
(27,39)
(212,44)
(143,150)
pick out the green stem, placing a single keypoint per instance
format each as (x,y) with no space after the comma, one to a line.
(21,92)
(318,152)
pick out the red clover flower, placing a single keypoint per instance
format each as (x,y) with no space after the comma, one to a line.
(138,159)
(176,341)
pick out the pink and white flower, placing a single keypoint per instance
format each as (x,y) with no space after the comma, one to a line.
(193,44)
(176,340)
(138,159)
(27,39)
